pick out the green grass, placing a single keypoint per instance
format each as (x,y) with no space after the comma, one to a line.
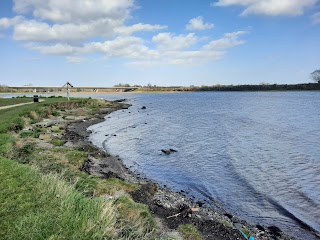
(189,232)
(12,101)
(57,142)
(136,217)
(36,206)
(11,119)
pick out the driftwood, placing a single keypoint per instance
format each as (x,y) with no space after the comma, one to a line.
(185,212)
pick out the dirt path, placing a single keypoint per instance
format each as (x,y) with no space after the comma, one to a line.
(16,105)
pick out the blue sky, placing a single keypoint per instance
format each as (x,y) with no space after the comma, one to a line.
(161,42)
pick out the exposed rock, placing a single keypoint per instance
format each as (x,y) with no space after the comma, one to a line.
(168,151)
(260,227)
(228,215)
(120,100)
(144,107)
(274,230)
(45,137)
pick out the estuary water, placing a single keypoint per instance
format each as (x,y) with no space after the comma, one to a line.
(255,154)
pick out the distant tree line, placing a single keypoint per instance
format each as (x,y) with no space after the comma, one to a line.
(268,87)
(4,89)
(315,76)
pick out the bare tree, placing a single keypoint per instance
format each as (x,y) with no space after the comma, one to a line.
(315,76)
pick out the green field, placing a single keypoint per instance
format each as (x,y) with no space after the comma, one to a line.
(12,101)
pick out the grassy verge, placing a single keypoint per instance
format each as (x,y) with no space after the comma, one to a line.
(189,232)
(37,206)
(12,101)
(45,195)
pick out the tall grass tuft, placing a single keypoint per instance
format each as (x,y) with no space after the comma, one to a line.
(46,207)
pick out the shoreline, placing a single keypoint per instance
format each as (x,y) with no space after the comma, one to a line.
(170,207)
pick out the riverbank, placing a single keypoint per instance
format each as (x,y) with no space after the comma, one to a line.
(172,208)
(58,142)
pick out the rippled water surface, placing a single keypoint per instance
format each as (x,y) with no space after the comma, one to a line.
(256,154)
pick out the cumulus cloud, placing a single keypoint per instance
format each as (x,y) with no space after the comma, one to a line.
(169,41)
(316,18)
(78,29)
(55,49)
(126,47)
(9,22)
(128,30)
(197,24)
(32,30)
(269,7)
(65,11)
(229,40)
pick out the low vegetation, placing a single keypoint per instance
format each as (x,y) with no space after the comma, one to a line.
(12,101)
(189,232)
(38,206)
(45,195)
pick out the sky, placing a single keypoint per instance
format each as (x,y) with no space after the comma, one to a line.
(158,42)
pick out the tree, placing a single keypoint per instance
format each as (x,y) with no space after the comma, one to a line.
(315,76)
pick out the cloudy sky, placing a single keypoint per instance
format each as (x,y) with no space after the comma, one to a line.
(161,42)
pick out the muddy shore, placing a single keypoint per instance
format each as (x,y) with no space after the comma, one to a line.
(170,207)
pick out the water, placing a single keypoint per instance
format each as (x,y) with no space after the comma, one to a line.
(255,154)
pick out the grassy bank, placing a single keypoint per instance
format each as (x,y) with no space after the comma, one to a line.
(38,206)
(45,195)
(12,101)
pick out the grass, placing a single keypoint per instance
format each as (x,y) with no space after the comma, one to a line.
(37,206)
(189,232)
(11,118)
(12,101)
(57,142)
(45,195)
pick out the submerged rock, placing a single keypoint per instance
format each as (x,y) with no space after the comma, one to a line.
(168,151)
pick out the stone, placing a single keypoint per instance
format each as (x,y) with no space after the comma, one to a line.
(46,137)
(274,230)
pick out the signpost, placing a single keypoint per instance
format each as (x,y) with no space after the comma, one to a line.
(68,85)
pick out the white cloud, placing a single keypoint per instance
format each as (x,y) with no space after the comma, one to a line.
(79,29)
(123,47)
(194,57)
(269,7)
(229,40)
(32,30)
(128,30)
(169,41)
(64,11)
(316,18)
(56,49)
(197,24)
(9,22)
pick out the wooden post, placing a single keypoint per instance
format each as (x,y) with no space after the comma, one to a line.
(68,85)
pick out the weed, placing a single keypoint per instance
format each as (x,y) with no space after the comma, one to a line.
(57,142)
(189,232)
(22,154)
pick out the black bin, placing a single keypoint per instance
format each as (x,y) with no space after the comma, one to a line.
(35,98)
